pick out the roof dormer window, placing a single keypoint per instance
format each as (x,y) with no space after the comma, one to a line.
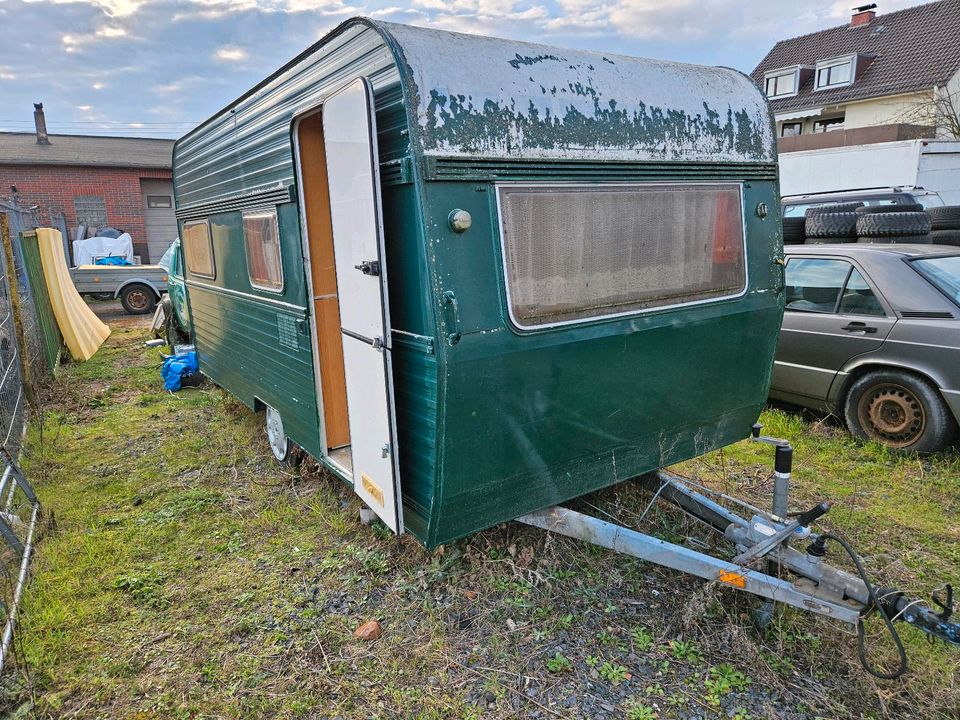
(837,72)
(781,83)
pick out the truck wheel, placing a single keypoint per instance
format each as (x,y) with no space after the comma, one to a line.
(832,225)
(884,209)
(899,410)
(899,223)
(279,443)
(946,217)
(793,230)
(831,208)
(138,299)
(945,237)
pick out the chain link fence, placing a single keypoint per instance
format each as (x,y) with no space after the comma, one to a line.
(24,367)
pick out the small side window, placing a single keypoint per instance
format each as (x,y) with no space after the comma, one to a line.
(198,250)
(261,237)
(814,284)
(859,298)
(159,201)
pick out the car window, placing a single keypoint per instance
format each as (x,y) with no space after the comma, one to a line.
(859,298)
(795,210)
(929,200)
(943,272)
(814,284)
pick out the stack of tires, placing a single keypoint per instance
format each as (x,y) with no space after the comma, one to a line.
(893,224)
(944,224)
(835,223)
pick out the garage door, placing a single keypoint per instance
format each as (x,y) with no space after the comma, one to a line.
(158,216)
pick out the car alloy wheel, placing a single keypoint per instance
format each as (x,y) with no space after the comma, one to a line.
(892,414)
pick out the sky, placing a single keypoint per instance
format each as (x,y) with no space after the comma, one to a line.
(159,67)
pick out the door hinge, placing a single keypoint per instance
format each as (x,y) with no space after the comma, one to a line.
(385,450)
(369,267)
(378,344)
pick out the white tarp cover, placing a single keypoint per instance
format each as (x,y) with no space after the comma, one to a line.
(85,252)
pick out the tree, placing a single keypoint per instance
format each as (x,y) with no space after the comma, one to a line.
(940,110)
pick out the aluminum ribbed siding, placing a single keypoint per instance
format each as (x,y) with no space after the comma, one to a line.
(246,148)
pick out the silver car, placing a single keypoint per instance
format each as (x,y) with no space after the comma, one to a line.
(872,333)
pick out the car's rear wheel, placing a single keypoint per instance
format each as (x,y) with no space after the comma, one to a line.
(899,410)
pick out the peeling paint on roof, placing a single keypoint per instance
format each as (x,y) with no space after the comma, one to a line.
(479,96)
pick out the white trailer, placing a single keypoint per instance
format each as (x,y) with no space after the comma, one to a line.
(929,164)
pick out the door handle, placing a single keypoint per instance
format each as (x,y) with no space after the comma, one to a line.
(452,311)
(859,327)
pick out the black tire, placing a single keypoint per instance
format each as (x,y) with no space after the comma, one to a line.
(827,240)
(902,223)
(945,218)
(794,230)
(945,237)
(897,239)
(840,224)
(900,410)
(832,208)
(138,299)
(885,209)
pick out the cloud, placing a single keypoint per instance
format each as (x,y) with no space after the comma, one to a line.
(113,8)
(231,54)
(168,63)
(84,108)
(111,32)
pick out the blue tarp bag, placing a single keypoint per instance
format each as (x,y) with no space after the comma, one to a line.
(112,260)
(176,367)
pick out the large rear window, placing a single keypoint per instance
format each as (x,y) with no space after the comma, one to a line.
(573,253)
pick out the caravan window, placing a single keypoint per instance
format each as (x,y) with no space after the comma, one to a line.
(262,240)
(197,249)
(577,252)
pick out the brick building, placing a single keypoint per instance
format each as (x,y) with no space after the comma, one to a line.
(120,182)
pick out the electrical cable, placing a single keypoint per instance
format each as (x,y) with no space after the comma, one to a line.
(874,605)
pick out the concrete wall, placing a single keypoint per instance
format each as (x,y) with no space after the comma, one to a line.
(52,188)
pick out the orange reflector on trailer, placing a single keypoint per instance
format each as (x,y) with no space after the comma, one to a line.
(733,578)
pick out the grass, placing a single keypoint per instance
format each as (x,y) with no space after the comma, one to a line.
(182,573)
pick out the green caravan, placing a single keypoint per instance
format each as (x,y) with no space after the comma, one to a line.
(476,278)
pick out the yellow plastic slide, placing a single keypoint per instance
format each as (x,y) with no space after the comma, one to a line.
(82,330)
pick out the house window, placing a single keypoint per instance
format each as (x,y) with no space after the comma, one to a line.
(828,125)
(791,129)
(159,201)
(198,249)
(91,211)
(576,252)
(262,240)
(834,73)
(781,84)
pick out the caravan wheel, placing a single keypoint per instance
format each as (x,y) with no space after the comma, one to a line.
(279,443)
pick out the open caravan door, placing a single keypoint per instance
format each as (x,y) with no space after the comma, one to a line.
(349,129)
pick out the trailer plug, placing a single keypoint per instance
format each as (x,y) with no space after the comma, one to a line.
(818,548)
